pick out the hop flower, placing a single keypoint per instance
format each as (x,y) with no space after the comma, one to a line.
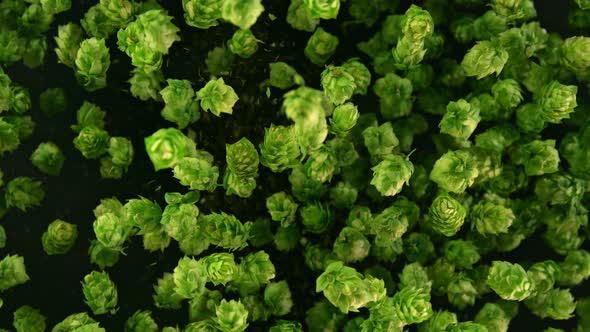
(460,120)
(189,277)
(92,142)
(196,173)
(28,319)
(202,14)
(243,43)
(100,293)
(490,218)
(338,84)
(509,281)
(23,193)
(326,9)
(391,174)
(454,171)
(412,305)
(241,13)
(166,147)
(92,62)
(231,316)
(484,59)
(217,97)
(417,23)
(447,214)
(225,230)
(59,238)
(220,267)
(141,321)
(320,46)
(279,149)
(12,272)
(557,101)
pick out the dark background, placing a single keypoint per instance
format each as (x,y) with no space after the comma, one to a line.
(55,286)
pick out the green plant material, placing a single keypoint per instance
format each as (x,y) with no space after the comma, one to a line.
(100,293)
(243,43)
(351,245)
(279,150)
(286,326)
(59,238)
(574,52)
(416,23)
(92,142)
(277,298)
(242,158)
(241,13)
(544,275)
(111,230)
(391,174)
(441,320)
(380,141)
(103,256)
(77,321)
(281,208)
(12,272)
(181,108)
(461,253)
(256,270)
(9,137)
(558,304)
(20,99)
(28,319)
(491,218)
(197,173)
(48,158)
(3,237)
(190,277)
(141,320)
(321,46)
(338,84)
(508,93)
(484,59)
(89,114)
(231,316)
(35,53)
(23,193)
(447,215)
(146,85)
(557,101)
(461,292)
(395,96)
(509,281)
(324,9)
(165,295)
(147,39)
(283,76)
(460,120)
(455,171)
(538,157)
(202,14)
(167,146)
(225,230)
(343,195)
(287,237)
(316,217)
(346,288)
(53,101)
(468,327)
(92,62)
(575,268)
(220,267)
(217,97)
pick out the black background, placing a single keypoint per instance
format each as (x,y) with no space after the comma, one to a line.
(55,280)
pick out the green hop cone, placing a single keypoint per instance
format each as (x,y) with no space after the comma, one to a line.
(484,59)
(92,142)
(189,278)
(196,173)
(202,14)
(242,13)
(460,120)
(100,293)
(412,305)
(324,9)
(279,150)
(338,84)
(91,64)
(557,101)
(447,214)
(23,193)
(576,53)
(391,174)
(167,146)
(217,97)
(321,46)
(243,43)
(231,316)
(12,272)
(417,23)
(48,158)
(59,237)
(220,267)
(491,218)
(141,321)
(28,319)
(454,171)
(509,281)
(242,158)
